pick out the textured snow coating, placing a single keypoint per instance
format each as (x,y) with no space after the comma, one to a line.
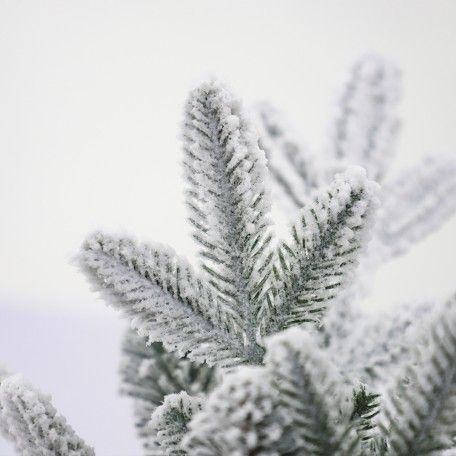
(327,241)
(149,374)
(363,132)
(240,417)
(419,407)
(228,198)
(292,405)
(249,288)
(33,423)
(170,420)
(163,297)
(300,398)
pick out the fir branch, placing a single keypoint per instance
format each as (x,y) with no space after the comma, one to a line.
(415,204)
(363,132)
(240,417)
(149,374)
(171,419)
(379,345)
(33,423)
(365,126)
(308,391)
(163,297)
(327,239)
(292,167)
(228,201)
(289,407)
(419,417)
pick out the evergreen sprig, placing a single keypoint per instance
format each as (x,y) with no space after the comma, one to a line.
(307,401)
(363,131)
(149,374)
(419,417)
(33,424)
(248,288)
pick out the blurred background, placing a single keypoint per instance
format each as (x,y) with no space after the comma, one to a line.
(91,94)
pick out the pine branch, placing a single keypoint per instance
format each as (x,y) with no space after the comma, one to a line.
(149,374)
(308,392)
(416,204)
(363,132)
(228,201)
(33,423)
(171,420)
(378,345)
(247,295)
(240,417)
(291,166)
(324,253)
(163,297)
(364,129)
(419,418)
(291,406)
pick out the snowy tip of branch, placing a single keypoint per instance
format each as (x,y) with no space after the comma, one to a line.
(216,93)
(15,384)
(191,404)
(371,62)
(356,178)
(217,96)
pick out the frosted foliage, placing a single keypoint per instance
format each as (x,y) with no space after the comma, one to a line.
(419,415)
(239,418)
(363,132)
(294,405)
(166,301)
(290,163)
(171,419)
(305,395)
(249,288)
(379,344)
(227,198)
(149,374)
(33,423)
(309,391)
(364,127)
(326,240)
(415,204)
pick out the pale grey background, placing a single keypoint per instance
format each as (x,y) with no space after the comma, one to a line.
(90,105)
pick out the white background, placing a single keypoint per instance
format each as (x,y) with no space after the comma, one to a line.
(90,107)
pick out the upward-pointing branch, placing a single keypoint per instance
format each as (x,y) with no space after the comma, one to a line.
(326,243)
(228,201)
